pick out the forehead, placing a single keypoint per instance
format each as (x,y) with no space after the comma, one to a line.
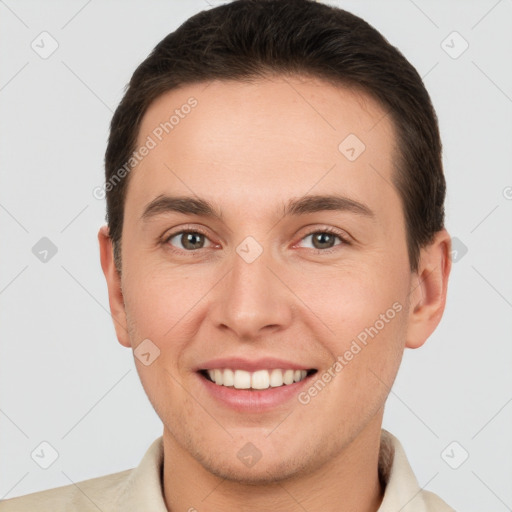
(267,137)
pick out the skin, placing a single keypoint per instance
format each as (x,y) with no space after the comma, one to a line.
(248,148)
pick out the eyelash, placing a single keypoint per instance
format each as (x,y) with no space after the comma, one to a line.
(198,231)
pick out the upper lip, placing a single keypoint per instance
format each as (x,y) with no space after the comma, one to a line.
(251,365)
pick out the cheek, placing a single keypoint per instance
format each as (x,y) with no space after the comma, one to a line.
(349,299)
(157,302)
(366,312)
(368,320)
(158,305)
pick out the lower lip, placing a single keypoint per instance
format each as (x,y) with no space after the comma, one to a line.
(245,400)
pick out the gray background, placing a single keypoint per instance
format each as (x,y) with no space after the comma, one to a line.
(64,378)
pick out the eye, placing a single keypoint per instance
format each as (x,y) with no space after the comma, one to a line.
(190,240)
(324,240)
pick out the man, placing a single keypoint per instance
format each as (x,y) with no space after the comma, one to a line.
(275,241)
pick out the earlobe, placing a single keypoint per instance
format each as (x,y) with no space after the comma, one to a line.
(429,289)
(115,295)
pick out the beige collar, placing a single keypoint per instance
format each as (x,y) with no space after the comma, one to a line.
(143,488)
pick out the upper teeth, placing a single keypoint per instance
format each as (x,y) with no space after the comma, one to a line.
(261,379)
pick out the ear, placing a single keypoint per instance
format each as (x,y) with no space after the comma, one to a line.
(428,290)
(115,294)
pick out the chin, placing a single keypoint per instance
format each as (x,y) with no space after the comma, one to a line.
(260,474)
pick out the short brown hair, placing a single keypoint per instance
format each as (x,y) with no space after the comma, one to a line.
(247,39)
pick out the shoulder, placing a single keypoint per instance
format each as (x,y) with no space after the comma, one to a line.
(402,491)
(132,489)
(434,503)
(94,494)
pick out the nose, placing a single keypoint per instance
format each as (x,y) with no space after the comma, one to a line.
(252,300)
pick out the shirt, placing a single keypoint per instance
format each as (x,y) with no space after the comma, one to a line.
(140,489)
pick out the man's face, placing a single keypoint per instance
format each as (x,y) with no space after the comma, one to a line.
(257,284)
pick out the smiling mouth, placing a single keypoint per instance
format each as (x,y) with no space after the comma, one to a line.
(258,380)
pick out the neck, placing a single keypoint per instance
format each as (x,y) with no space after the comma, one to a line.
(349,480)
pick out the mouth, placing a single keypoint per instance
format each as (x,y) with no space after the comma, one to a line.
(255,381)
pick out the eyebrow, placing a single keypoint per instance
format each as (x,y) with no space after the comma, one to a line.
(302,206)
